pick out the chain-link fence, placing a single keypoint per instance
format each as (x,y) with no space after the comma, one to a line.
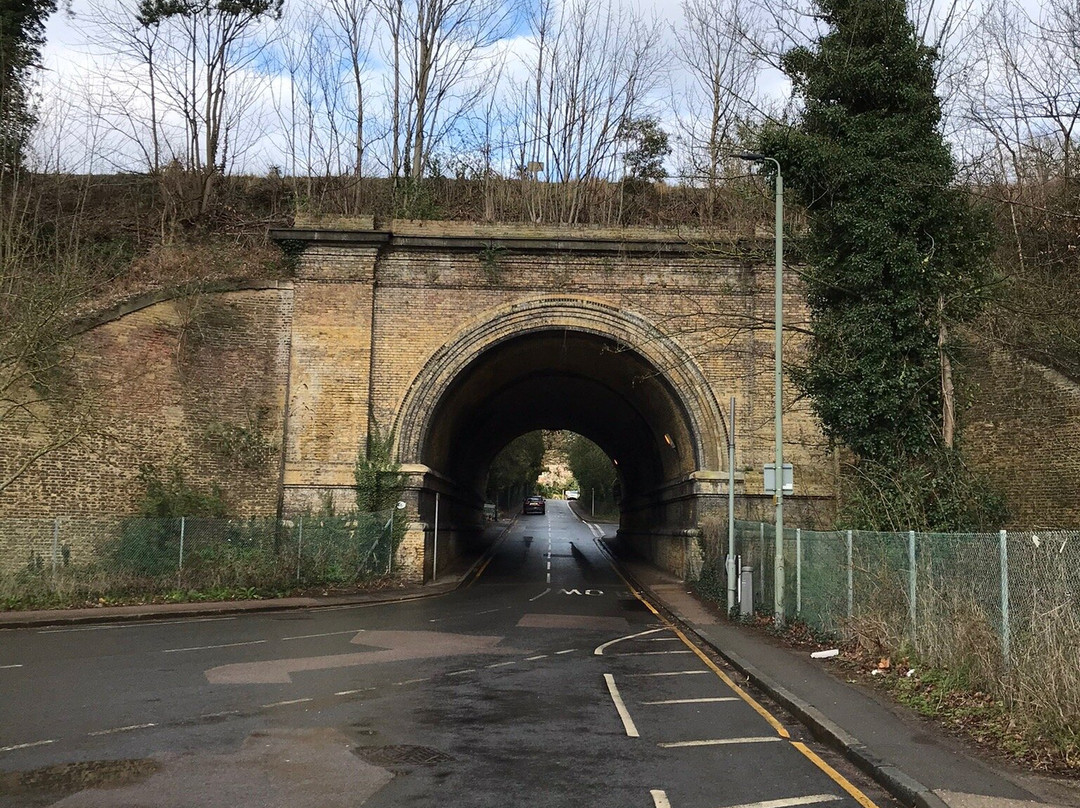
(64,559)
(942,593)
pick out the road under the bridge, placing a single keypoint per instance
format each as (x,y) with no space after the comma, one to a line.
(543,682)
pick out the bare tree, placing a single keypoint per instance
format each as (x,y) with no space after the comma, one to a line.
(594,70)
(206,46)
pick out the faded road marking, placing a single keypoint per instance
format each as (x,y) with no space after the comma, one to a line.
(672,673)
(659,799)
(599,650)
(392,646)
(211,647)
(624,714)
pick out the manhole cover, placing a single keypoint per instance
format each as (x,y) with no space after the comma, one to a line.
(401,755)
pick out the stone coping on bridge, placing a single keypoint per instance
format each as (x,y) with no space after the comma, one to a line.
(518,235)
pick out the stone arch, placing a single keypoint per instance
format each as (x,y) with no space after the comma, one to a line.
(673,364)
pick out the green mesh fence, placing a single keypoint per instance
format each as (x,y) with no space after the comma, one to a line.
(944,594)
(69,556)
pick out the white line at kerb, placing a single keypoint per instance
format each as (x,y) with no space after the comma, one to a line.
(624,714)
(659,799)
(711,700)
(813,799)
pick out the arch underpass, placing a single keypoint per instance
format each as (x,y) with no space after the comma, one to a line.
(566,364)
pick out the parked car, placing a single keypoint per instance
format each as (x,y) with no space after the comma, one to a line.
(534,504)
(573,494)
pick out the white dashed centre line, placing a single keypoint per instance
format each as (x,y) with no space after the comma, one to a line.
(567,651)
(6,667)
(538,656)
(210,647)
(121,729)
(25,745)
(327,634)
(461,673)
(285,703)
(501,664)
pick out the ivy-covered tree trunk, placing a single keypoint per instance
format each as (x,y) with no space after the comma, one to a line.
(895,252)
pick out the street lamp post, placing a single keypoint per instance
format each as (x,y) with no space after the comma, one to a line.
(778,555)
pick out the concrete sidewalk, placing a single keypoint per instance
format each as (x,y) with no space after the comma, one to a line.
(913,759)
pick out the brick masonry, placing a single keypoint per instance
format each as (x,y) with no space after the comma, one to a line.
(310,364)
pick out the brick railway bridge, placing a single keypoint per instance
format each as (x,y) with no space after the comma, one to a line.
(460,338)
(457,338)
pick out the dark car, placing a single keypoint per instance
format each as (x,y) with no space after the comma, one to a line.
(534,505)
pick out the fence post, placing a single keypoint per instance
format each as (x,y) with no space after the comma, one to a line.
(798,571)
(850,579)
(55,543)
(912,583)
(182,520)
(1003,542)
(761,571)
(299,548)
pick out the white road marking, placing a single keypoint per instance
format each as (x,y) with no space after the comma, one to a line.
(813,799)
(414,681)
(542,593)
(501,664)
(285,703)
(673,673)
(599,650)
(139,624)
(567,651)
(121,729)
(659,799)
(459,673)
(549,565)
(5,667)
(624,714)
(222,714)
(25,745)
(652,653)
(662,639)
(548,578)
(352,692)
(209,647)
(327,634)
(538,656)
(721,741)
(694,701)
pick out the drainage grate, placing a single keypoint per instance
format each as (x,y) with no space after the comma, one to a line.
(401,755)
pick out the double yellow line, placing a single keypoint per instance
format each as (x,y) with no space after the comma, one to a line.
(812,756)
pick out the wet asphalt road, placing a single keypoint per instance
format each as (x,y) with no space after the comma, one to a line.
(546,682)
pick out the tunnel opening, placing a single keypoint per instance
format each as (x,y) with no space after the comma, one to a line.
(562,365)
(554,465)
(562,380)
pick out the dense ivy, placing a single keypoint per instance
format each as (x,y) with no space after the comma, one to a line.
(895,249)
